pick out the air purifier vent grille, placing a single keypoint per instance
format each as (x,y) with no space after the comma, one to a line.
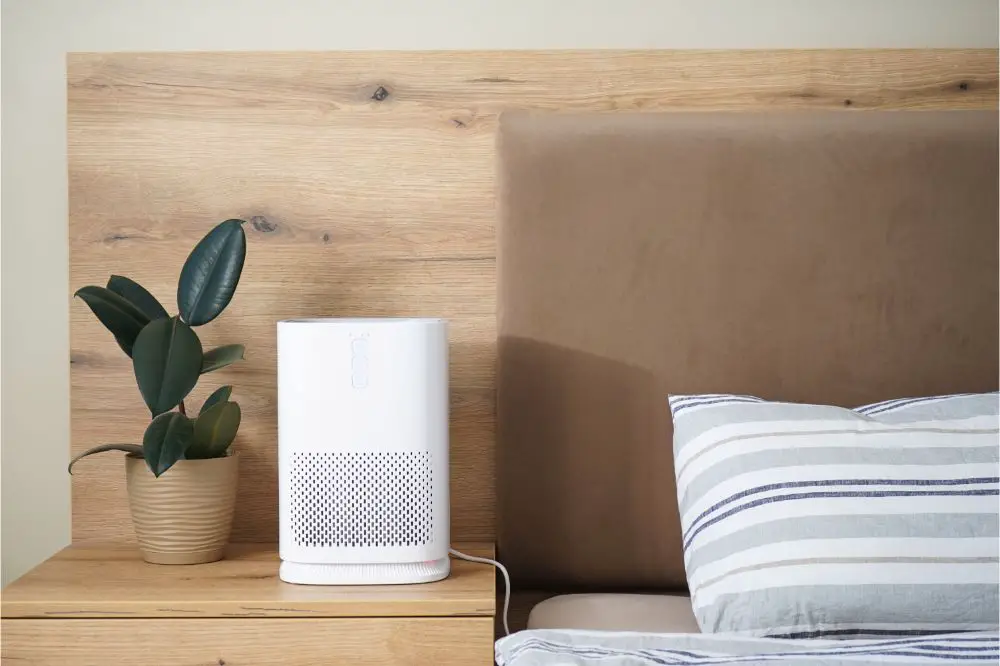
(362,499)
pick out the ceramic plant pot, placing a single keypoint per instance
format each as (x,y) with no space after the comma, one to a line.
(185,516)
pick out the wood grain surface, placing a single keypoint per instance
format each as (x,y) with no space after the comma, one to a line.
(367,178)
(257,642)
(113,582)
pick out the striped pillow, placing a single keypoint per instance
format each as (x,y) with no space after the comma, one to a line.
(811,520)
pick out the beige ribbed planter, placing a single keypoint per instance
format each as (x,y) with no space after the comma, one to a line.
(183,517)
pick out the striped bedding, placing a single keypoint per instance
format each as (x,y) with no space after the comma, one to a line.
(806,521)
(549,647)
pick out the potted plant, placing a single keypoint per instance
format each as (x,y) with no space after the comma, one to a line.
(182,479)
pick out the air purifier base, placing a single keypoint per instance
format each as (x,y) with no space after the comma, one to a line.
(402,573)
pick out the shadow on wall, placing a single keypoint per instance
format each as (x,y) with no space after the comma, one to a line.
(585,470)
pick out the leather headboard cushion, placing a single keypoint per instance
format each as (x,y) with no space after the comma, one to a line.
(823,257)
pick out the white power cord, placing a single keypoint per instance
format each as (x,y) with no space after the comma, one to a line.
(506,580)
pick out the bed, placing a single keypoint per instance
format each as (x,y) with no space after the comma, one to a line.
(821,257)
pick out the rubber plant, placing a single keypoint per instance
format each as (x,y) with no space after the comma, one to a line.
(167,355)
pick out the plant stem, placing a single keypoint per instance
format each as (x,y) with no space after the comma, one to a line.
(181,409)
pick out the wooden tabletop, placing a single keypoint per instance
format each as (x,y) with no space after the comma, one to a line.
(114,582)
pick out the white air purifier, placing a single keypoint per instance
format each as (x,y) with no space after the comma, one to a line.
(363,451)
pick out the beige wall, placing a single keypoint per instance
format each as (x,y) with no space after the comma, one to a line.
(37,34)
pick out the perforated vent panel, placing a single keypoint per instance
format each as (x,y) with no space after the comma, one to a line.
(362,499)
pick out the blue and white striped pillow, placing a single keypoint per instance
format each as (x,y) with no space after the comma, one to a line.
(811,520)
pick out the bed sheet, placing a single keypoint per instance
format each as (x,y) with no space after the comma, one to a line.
(546,647)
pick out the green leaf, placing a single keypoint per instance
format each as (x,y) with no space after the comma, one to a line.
(220,394)
(220,357)
(136,294)
(211,273)
(118,315)
(215,430)
(134,449)
(166,359)
(165,441)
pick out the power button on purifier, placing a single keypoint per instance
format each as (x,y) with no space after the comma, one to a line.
(359,363)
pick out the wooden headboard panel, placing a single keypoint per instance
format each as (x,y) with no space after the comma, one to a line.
(367,178)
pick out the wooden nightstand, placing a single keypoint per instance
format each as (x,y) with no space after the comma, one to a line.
(103,605)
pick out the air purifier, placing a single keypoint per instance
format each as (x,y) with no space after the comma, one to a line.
(363,450)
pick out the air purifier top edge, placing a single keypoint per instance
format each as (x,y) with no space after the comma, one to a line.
(372,321)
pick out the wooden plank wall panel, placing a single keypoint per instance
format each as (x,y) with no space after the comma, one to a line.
(367,178)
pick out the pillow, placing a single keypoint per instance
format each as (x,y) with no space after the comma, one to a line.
(810,520)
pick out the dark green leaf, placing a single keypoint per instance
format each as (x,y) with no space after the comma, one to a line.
(118,315)
(136,294)
(220,357)
(167,361)
(220,394)
(124,345)
(165,441)
(211,273)
(215,430)
(134,449)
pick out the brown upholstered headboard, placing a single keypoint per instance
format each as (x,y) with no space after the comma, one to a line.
(823,257)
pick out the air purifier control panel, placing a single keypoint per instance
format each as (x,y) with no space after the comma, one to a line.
(359,361)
